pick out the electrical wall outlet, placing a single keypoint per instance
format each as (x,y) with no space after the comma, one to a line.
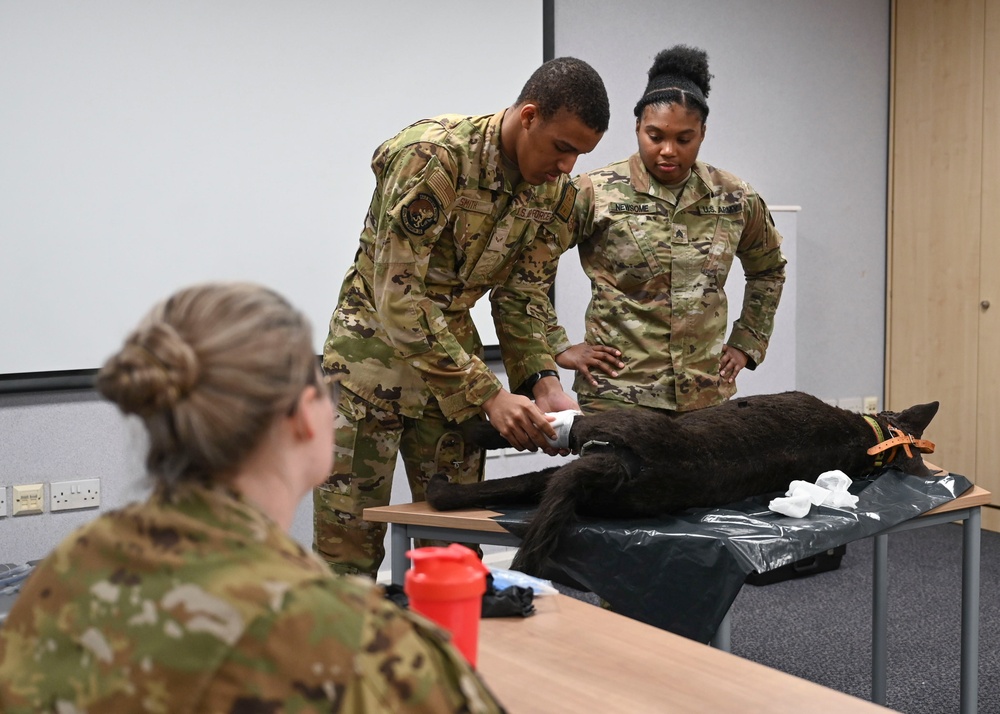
(28,499)
(871,405)
(71,495)
(3,501)
(851,404)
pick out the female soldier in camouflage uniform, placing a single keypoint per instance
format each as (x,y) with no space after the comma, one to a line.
(463,206)
(657,234)
(198,600)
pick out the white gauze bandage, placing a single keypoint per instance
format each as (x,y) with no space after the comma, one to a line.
(830,489)
(562,424)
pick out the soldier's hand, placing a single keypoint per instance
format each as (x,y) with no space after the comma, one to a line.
(584,357)
(520,422)
(731,363)
(549,396)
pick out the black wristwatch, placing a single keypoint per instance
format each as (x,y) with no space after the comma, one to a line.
(528,385)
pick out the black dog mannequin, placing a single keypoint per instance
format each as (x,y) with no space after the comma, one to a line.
(644,462)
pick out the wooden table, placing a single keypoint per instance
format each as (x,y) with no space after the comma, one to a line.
(571,656)
(419,520)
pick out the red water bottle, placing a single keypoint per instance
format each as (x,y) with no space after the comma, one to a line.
(446,585)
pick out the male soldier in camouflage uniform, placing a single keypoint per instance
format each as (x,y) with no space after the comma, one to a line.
(462,206)
(657,234)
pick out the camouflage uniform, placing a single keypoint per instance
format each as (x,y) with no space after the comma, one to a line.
(449,221)
(658,265)
(206,605)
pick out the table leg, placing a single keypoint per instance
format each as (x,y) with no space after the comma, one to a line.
(723,636)
(880,596)
(971,542)
(400,543)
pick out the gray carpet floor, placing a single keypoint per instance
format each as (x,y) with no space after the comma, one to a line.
(819,627)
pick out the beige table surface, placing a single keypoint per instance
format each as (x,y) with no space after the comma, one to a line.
(571,656)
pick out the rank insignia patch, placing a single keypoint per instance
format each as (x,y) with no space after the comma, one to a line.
(566,202)
(421,213)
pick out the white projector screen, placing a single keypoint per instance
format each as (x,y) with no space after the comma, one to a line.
(149,145)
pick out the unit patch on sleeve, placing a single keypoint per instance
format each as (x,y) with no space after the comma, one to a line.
(421,213)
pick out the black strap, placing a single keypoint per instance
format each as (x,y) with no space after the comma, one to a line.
(529,384)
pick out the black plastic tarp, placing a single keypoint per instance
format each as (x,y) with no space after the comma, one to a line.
(682,572)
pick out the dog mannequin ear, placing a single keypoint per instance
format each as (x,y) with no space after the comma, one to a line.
(914,420)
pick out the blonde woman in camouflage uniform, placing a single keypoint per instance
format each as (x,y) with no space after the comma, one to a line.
(198,600)
(463,206)
(657,235)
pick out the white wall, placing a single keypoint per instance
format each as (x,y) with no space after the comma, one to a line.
(799,109)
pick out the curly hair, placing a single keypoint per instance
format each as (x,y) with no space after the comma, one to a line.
(679,75)
(208,370)
(570,83)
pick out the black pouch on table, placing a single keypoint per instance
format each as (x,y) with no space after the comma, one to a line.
(820,563)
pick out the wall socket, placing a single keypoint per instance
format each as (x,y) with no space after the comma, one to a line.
(71,495)
(3,501)
(28,499)
(860,405)
(851,404)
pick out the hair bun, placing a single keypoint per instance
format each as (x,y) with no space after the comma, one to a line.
(155,369)
(681,61)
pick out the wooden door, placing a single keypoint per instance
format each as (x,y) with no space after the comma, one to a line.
(941,264)
(988,435)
